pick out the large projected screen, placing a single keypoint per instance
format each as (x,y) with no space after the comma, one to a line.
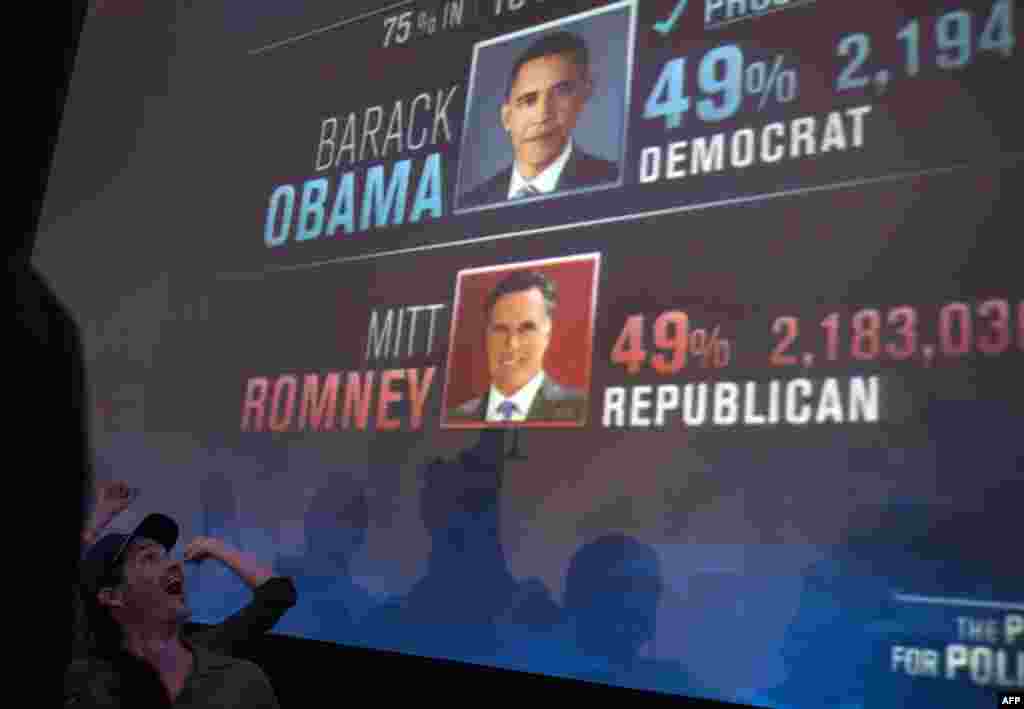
(735,282)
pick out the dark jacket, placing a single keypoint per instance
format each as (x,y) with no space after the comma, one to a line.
(119,679)
(582,170)
(553,402)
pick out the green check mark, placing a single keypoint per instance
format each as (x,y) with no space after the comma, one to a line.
(665,26)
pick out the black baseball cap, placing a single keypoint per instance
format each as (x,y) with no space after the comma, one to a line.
(104,556)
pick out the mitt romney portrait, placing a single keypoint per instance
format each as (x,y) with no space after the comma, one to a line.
(520,316)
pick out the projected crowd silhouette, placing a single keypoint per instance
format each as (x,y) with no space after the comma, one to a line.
(612,590)
(467,602)
(468,605)
(335,527)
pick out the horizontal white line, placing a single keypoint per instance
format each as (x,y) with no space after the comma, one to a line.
(966,602)
(723,23)
(326,28)
(239,275)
